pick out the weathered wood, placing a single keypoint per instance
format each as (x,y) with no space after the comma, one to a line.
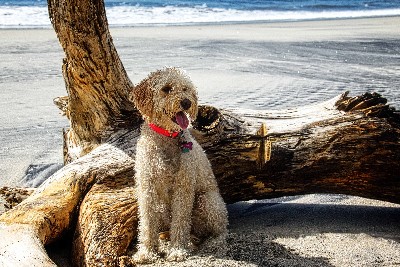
(107,213)
(52,208)
(354,153)
(95,78)
(14,196)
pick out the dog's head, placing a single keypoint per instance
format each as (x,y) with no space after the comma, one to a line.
(166,98)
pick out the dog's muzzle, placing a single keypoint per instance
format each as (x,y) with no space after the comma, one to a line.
(186,104)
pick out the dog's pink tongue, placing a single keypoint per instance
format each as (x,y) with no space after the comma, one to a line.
(182,120)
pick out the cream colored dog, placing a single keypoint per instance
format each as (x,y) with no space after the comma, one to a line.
(176,188)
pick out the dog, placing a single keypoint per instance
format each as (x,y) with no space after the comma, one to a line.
(176,188)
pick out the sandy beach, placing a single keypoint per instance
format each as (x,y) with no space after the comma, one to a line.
(251,66)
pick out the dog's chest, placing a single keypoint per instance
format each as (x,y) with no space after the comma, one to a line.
(171,158)
(163,154)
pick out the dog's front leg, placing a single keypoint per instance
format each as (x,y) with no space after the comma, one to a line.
(182,205)
(148,223)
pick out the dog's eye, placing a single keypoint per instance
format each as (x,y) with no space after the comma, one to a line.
(184,89)
(167,89)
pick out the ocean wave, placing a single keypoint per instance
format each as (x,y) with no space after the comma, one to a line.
(126,16)
(23,16)
(34,16)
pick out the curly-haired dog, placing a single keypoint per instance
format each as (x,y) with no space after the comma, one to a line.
(176,188)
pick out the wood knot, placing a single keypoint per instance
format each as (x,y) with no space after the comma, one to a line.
(207,119)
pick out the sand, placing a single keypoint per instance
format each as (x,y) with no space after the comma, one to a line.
(249,66)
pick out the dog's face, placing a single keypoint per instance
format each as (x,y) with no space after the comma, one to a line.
(167,98)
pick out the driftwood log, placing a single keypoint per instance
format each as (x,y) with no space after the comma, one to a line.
(347,145)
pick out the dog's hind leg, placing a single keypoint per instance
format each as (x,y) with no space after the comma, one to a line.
(210,221)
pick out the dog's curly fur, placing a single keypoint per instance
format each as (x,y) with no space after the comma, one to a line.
(177,192)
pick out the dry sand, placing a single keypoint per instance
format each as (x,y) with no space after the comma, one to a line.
(273,65)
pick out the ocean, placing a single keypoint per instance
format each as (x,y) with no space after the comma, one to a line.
(120,13)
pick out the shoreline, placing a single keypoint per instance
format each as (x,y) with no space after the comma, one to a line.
(330,22)
(216,23)
(317,30)
(144,16)
(255,22)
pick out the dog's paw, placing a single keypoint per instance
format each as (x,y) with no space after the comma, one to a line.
(176,254)
(144,255)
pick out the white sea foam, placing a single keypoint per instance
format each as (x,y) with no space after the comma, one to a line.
(126,16)
(24,16)
(34,16)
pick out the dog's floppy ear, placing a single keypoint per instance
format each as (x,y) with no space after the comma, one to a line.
(142,97)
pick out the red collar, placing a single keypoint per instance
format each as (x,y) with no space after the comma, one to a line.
(163,131)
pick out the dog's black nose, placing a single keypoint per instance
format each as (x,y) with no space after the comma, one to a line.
(186,104)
